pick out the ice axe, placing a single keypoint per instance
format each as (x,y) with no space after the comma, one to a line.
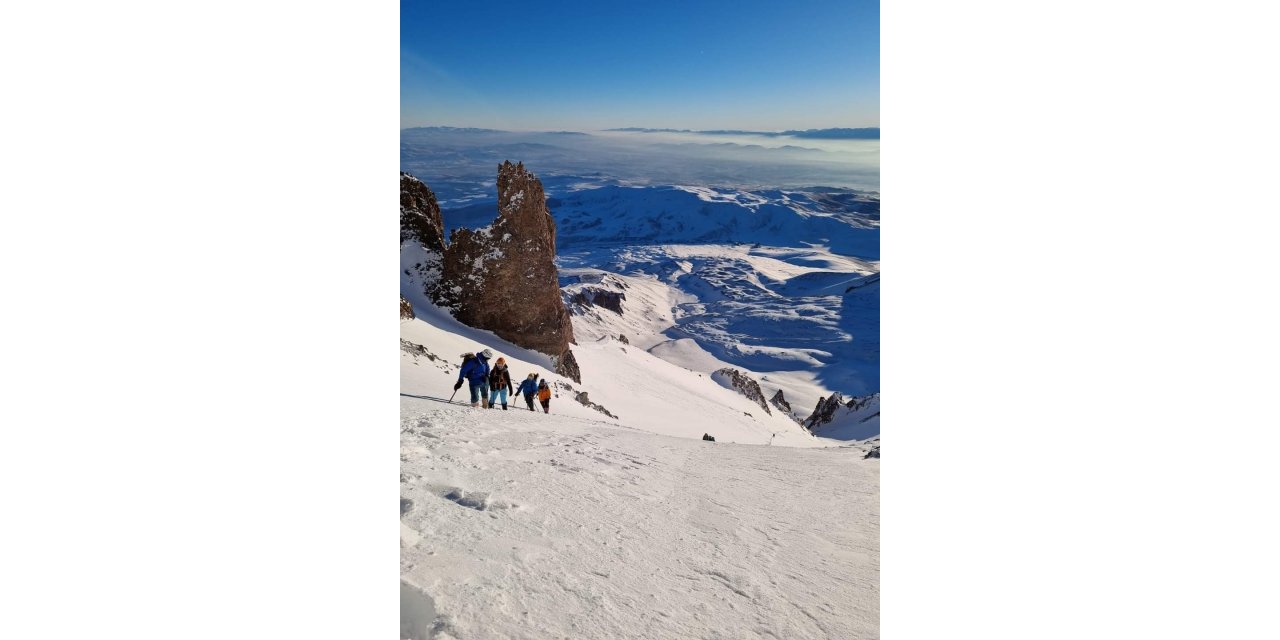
(455,392)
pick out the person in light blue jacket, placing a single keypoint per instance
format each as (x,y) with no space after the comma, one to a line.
(527,388)
(475,369)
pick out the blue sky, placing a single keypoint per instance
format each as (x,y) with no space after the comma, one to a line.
(746,64)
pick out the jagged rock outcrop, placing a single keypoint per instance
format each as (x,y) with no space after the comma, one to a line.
(828,408)
(418,351)
(824,412)
(420,214)
(567,366)
(591,296)
(582,399)
(742,384)
(622,337)
(855,404)
(503,277)
(780,401)
(406,309)
(421,236)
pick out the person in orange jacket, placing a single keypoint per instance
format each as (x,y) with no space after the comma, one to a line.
(544,396)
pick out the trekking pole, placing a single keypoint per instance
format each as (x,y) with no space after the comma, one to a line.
(455,392)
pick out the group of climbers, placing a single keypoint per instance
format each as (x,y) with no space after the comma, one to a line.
(491,385)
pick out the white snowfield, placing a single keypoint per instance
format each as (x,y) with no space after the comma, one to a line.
(525,525)
(642,390)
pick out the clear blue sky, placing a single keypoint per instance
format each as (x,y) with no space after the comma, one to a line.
(744,64)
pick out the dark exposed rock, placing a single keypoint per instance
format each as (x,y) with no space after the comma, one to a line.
(591,296)
(622,337)
(857,403)
(503,277)
(406,309)
(708,437)
(582,399)
(824,412)
(780,402)
(567,366)
(420,214)
(742,384)
(421,236)
(828,408)
(874,453)
(418,351)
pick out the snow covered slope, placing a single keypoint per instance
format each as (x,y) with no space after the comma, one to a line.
(803,320)
(522,525)
(642,390)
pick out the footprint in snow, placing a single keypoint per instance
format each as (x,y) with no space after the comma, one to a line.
(477,500)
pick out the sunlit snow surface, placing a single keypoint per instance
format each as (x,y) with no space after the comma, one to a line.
(525,525)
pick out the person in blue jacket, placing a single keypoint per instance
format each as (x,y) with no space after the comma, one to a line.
(527,387)
(475,369)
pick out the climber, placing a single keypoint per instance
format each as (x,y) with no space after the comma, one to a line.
(528,387)
(544,396)
(475,368)
(499,383)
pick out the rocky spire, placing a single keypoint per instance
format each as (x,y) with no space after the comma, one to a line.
(420,214)
(780,401)
(503,277)
(824,411)
(742,383)
(421,240)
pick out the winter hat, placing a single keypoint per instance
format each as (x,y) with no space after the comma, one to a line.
(502,361)
(487,354)
(532,376)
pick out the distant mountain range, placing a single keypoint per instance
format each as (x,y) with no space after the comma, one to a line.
(862,133)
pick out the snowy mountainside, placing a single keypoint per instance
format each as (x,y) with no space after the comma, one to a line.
(642,390)
(852,419)
(782,285)
(522,525)
(804,320)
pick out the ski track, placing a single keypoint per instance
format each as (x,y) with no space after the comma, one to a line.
(525,525)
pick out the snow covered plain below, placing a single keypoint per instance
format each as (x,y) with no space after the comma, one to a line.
(524,525)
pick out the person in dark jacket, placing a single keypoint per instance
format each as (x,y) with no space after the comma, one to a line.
(499,383)
(528,387)
(475,369)
(544,396)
